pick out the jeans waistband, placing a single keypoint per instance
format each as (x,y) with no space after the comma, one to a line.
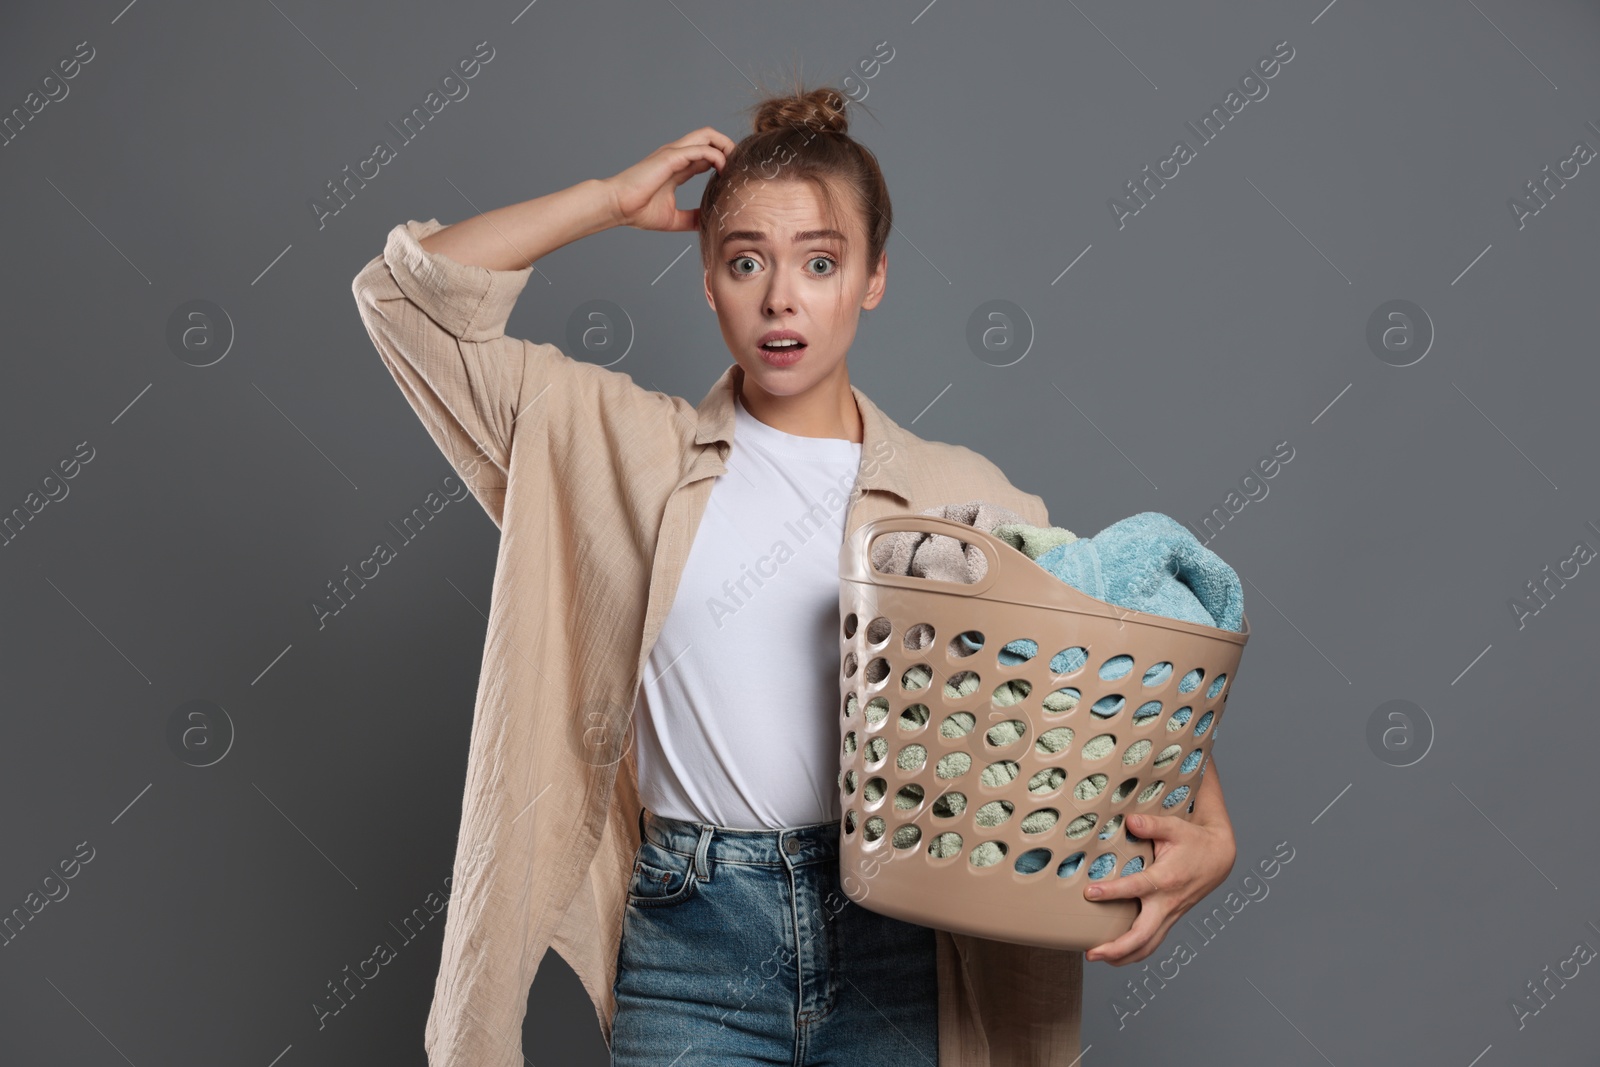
(792,846)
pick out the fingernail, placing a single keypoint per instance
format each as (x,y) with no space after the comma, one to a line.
(1136,821)
(1095,891)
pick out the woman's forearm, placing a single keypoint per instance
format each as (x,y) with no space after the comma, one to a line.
(1208,803)
(512,237)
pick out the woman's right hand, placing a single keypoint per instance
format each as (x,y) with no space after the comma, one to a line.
(645,195)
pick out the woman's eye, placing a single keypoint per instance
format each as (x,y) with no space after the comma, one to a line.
(734,263)
(823,259)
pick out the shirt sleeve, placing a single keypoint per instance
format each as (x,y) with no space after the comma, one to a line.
(439,326)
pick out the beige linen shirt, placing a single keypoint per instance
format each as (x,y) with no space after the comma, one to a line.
(597,486)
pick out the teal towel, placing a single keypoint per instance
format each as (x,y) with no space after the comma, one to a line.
(1147,562)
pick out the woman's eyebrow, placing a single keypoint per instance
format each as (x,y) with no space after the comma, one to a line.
(757,236)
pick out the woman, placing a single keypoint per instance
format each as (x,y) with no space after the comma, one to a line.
(683,860)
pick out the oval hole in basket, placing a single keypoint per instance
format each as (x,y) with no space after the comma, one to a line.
(965,644)
(1158,673)
(918,637)
(850,821)
(1124,790)
(1032,861)
(849,781)
(873,791)
(1166,756)
(849,743)
(876,750)
(1010,694)
(988,854)
(1046,780)
(1175,797)
(1061,700)
(874,828)
(850,704)
(1112,824)
(1081,825)
(1098,747)
(877,710)
(911,758)
(1069,660)
(1090,787)
(961,684)
(876,671)
(1116,667)
(1108,705)
(993,813)
(1054,741)
(1146,711)
(1203,725)
(1191,681)
(850,664)
(878,631)
(1037,822)
(1137,751)
(949,805)
(908,797)
(1006,733)
(1216,686)
(907,835)
(1133,866)
(1017,650)
(1102,866)
(1069,866)
(850,625)
(952,765)
(914,717)
(999,773)
(1180,719)
(945,845)
(1193,760)
(957,724)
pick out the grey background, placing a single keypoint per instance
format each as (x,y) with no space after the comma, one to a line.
(1228,315)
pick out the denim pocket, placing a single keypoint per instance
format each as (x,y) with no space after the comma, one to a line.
(660,877)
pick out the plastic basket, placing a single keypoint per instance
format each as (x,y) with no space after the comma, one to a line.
(1153,746)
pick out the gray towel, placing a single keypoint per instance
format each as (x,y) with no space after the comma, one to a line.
(940,556)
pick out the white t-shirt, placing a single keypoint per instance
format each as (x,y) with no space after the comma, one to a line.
(738,716)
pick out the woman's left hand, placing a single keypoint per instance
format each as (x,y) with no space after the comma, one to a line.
(1192,857)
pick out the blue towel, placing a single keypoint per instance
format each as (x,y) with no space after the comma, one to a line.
(1147,562)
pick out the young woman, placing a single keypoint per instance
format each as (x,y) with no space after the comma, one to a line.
(652,785)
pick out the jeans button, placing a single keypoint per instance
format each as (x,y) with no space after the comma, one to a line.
(792,845)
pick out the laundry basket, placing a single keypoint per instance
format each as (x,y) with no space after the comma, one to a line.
(979,797)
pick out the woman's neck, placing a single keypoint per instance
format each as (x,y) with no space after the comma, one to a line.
(827,409)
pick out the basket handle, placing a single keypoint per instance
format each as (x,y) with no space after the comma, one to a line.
(855,563)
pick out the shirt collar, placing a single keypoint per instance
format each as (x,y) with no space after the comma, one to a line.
(883,466)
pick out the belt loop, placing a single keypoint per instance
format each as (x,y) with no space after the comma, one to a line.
(702,859)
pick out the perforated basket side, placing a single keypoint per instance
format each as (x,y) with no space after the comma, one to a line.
(994,829)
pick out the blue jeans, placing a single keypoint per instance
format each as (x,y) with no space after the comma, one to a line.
(740,947)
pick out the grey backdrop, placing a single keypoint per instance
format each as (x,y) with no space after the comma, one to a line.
(1442,853)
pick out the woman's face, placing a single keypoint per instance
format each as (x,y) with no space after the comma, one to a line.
(762,279)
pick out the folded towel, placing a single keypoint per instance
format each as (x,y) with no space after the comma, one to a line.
(1033,541)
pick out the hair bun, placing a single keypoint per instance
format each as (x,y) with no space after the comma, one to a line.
(820,109)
